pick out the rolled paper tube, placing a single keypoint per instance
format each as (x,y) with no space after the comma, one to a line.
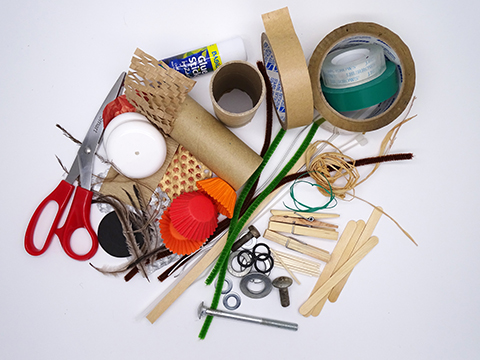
(213,144)
(239,75)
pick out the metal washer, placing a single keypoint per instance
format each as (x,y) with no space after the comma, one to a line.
(227,297)
(256,277)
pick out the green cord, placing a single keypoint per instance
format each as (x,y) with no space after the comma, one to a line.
(307,208)
(238,226)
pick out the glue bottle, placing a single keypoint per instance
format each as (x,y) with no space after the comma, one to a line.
(208,58)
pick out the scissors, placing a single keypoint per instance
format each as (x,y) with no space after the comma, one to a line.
(78,216)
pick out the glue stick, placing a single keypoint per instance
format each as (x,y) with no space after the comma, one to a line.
(208,58)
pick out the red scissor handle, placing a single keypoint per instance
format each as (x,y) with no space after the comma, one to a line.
(78,217)
(61,194)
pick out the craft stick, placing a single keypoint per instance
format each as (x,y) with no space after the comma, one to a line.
(303,230)
(189,278)
(276,257)
(304,222)
(348,251)
(366,234)
(332,264)
(323,290)
(294,244)
(304,214)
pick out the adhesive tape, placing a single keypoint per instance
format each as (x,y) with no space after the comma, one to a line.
(394,49)
(353,66)
(367,94)
(287,70)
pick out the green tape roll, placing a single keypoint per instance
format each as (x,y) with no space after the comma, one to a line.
(364,95)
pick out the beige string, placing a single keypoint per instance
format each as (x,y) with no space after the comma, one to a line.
(320,170)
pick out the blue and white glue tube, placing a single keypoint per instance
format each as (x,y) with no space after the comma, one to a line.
(208,58)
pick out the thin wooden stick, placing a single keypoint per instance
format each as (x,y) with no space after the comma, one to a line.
(323,291)
(276,257)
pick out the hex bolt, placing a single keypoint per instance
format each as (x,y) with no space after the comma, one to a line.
(204,311)
(252,233)
(282,283)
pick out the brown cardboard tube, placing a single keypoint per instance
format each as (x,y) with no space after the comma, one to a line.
(213,144)
(239,75)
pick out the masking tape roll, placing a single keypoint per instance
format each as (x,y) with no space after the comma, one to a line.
(395,51)
(286,67)
(349,67)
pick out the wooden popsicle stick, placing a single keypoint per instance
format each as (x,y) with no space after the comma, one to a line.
(303,230)
(323,291)
(348,252)
(336,254)
(304,214)
(294,244)
(350,245)
(366,234)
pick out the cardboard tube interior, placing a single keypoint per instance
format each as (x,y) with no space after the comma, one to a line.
(213,144)
(394,48)
(239,75)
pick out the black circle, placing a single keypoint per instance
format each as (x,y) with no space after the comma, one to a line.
(111,238)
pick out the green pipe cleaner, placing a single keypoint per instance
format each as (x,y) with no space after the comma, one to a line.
(240,224)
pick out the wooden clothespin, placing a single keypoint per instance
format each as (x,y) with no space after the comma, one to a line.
(296,245)
(303,224)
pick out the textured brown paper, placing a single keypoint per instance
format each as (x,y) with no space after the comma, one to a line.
(292,73)
(406,88)
(239,75)
(213,144)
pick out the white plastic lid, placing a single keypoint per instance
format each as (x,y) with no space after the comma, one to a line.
(136,148)
(232,49)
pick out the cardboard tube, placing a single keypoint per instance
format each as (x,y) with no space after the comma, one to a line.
(239,75)
(395,50)
(213,144)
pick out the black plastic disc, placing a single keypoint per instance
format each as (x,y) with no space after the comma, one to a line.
(111,238)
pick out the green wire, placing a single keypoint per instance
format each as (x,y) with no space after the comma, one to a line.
(238,226)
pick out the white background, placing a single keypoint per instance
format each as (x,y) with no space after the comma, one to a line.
(59,59)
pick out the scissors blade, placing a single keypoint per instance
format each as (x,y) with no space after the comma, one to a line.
(83,164)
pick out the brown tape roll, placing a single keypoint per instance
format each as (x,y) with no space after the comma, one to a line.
(395,50)
(287,69)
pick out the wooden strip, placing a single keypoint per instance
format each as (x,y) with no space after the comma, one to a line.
(304,214)
(304,222)
(366,234)
(189,278)
(294,244)
(323,291)
(276,257)
(303,230)
(336,254)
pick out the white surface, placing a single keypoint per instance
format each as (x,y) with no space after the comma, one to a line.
(402,302)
